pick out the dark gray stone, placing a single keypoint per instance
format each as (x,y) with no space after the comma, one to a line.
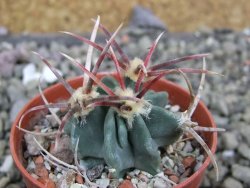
(245,132)
(95,172)
(230,140)
(4,103)
(4,181)
(241,173)
(18,70)
(7,164)
(246,115)
(223,170)
(144,18)
(229,47)
(1,129)
(7,62)
(14,174)
(15,91)
(244,150)
(3,144)
(17,106)
(231,183)
(206,182)
(220,105)
(221,121)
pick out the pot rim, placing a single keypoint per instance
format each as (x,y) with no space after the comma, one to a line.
(28,176)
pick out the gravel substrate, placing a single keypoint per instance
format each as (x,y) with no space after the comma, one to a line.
(227,97)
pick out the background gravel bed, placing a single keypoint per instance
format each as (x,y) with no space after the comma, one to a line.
(228,97)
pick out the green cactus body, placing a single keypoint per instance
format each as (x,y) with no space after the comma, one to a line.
(106,137)
(90,133)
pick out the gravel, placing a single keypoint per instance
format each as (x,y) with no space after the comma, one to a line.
(241,173)
(7,164)
(244,150)
(17,105)
(232,183)
(245,132)
(188,147)
(2,146)
(227,97)
(230,141)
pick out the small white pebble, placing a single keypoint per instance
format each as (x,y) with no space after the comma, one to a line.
(188,148)
(160,183)
(142,185)
(134,180)
(103,182)
(146,174)
(58,169)
(167,106)
(59,175)
(132,174)
(170,149)
(171,162)
(112,170)
(175,108)
(164,159)
(104,175)
(30,74)
(228,153)
(200,158)
(31,166)
(167,162)
(48,75)
(137,172)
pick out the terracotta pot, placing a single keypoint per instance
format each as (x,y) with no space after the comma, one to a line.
(54,93)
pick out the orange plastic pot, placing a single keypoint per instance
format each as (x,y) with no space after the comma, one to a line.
(57,92)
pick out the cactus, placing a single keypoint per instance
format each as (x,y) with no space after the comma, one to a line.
(126,140)
(119,121)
